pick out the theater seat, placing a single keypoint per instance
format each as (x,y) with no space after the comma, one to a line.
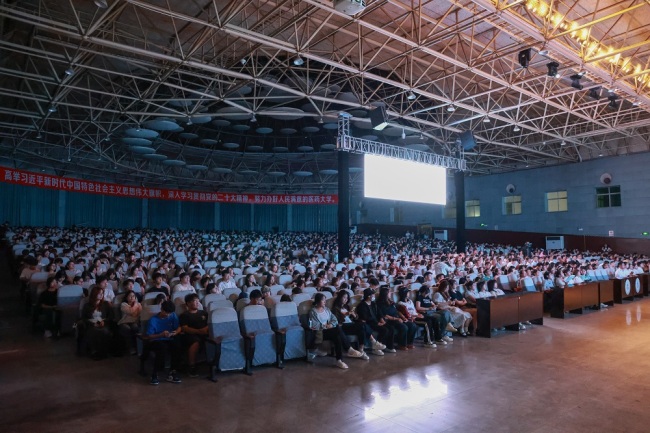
(68,298)
(285,321)
(225,346)
(255,326)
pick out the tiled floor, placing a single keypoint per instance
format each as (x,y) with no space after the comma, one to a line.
(583,374)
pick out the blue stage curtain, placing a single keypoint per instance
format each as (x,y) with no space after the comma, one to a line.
(197,216)
(235,216)
(24,205)
(269,216)
(314,218)
(163,214)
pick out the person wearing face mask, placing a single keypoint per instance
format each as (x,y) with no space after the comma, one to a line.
(369,314)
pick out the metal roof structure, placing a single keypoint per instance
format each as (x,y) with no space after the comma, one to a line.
(243,95)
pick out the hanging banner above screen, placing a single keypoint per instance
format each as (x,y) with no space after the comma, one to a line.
(40,180)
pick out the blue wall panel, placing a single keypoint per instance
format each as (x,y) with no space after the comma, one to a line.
(579,180)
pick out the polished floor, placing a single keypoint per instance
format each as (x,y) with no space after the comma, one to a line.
(582,374)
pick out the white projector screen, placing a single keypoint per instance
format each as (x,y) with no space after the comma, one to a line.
(396,179)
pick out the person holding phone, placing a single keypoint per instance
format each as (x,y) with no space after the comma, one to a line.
(162,330)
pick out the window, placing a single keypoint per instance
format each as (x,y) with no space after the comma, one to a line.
(557,201)
(608,196)
(473,208)
(449,211)
(512,205)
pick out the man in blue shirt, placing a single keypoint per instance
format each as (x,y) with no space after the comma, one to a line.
(162,331)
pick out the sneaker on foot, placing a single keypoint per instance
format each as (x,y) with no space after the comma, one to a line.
(378,352)
(193,372)
(527,323)
(352,353)
(390,350)
(451,328)
(378,346)
(321,353)
(311,356)
(603,305)
(447,339)
(364,356)
(441,342)
(154,380)
(522,327)
(430,345)
(342,365)
(47,334)
(173,377)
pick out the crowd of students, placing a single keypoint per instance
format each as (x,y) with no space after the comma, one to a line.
(402,284)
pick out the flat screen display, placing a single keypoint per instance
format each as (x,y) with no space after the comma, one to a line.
(395,179)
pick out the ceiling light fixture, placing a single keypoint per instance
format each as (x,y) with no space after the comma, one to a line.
(253,118)
(575,81)
(298,61)
(52,109)
(516,128)
(411,96)
(562,143)
(39,135)
(243,61)
(101,3)
(69,71)
(553,69)
(486,119)
(594,93)
(612,101)
(524,58)
(451,108)
(403,134)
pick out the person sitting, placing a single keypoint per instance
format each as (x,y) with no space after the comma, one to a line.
(226,281)
(249,281)
(158,285)
(326,327)
(267,299)
(404,330)
(347,317)
(406,307)
(184,284)
(98,317)
(129,324)
(194,324)
(425,306)
(369,314)
(161,335)
(460,319)
(109,293)
(47,305)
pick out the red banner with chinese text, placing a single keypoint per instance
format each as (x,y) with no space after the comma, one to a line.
(40,180)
